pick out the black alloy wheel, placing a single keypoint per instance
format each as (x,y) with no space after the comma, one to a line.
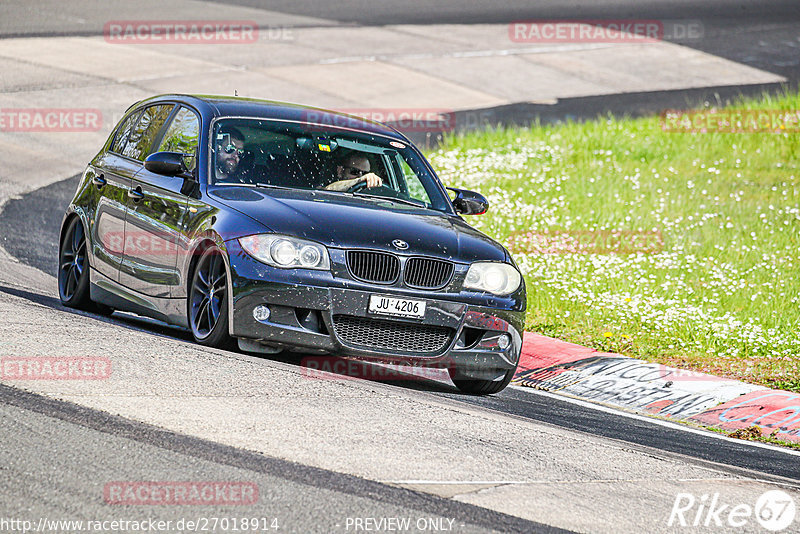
(73,267)
(208,300)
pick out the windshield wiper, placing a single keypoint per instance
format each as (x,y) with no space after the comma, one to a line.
(253,186)
(271,186)
(415,203)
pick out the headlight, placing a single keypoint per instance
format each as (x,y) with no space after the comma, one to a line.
(496,278)
(285,251)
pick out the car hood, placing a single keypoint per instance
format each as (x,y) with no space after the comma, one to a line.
(345,221)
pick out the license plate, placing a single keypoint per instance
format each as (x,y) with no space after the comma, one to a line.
(397,307)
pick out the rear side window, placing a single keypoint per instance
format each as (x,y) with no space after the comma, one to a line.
(125,131)
(141,137)
(182,135)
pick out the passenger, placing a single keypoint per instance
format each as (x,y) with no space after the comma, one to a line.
(352,168)
(228,154)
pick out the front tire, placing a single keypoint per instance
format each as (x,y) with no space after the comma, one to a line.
(207,303)
(73,268)
(480,387)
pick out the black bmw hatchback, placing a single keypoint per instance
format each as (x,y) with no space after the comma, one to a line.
(282,227)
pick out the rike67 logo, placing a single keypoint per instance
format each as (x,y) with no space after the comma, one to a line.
(774,510)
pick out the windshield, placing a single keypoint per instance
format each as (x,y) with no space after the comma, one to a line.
(268,153)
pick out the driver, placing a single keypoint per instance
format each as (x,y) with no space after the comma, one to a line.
(228,155)
(351,169)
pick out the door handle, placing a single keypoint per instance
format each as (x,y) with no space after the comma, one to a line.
(136,194)
(99,180)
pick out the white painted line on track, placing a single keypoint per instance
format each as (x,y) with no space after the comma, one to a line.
(469,53)
(530,482)
(655,421)
(458,482)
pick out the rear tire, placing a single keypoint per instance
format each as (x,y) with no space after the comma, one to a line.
(207,302)
(480,387)
(73,268)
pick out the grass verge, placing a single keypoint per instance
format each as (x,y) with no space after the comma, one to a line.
(677,248)
(754,433)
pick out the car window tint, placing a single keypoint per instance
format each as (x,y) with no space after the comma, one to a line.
(413,185)
(124,131)
(141,137)
(310,156)
(407,180)
(182,135)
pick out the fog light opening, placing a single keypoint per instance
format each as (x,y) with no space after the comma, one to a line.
(504,341)
(311,320)
(261,313)
(470,337)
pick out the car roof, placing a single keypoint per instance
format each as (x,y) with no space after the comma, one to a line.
(213,106)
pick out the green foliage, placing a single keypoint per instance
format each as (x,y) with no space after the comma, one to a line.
(722,292)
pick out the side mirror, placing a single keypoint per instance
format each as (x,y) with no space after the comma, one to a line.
(166,163)
(469,202)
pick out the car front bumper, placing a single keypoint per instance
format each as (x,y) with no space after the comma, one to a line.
(314,311)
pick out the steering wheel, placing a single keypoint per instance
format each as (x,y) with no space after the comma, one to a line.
(362,185)
(380,191)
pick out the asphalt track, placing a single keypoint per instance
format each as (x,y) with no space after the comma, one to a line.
(756,33)
(299,497)
(56,451)
(43,209)
(753,32)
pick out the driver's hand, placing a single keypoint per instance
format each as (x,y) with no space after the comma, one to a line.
(372,179)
